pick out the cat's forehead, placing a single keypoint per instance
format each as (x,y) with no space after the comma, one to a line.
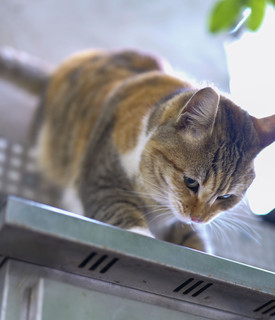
(222,166)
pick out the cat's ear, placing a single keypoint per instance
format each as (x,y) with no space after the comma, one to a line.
(265,128)
(198,115)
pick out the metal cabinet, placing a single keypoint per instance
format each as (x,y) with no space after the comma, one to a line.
(34,293)
(57,265)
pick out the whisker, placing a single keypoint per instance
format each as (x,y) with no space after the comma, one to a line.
(149,196)
(221,233)
(161,210)
(238,224)
(163,217)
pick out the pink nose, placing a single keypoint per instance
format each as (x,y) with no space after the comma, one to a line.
(195,219)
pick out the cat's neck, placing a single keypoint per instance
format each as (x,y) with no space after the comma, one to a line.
(155,116)
(131,159)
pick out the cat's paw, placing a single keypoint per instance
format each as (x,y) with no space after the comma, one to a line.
(183,234)
(194,241)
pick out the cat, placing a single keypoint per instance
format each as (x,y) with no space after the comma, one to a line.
(144,150)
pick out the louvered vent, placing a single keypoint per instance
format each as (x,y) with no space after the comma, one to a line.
(97,262)
(267,309)
(193,287)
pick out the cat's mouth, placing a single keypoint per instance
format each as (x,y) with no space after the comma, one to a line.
(188,212)
(203,219)
(197,220)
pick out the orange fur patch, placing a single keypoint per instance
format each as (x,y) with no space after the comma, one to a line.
(76,93)
(139,97)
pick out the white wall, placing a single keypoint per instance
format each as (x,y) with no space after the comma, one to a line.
(252,69)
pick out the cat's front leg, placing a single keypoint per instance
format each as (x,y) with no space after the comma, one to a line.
(183,234)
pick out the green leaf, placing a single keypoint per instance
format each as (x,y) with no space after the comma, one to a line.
(272,2)
(257,13)
(224,15)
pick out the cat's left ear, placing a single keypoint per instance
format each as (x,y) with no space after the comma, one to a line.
(198,115)
(265,128)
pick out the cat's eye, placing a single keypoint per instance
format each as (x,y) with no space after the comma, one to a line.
(191,184)
(225,196)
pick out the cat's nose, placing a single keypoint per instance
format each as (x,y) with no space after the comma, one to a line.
(196,219)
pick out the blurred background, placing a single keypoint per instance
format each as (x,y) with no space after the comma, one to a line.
(240,62)
(53,30)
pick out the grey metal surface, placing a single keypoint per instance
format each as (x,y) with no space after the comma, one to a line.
(53,238)
(38,293)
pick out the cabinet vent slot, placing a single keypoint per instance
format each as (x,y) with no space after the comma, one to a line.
(183,285)
(97,262)
(87,260)
(267,308)
(201,290)
(185,289)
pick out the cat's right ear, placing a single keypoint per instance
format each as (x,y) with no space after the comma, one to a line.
(265,128)
(198,115)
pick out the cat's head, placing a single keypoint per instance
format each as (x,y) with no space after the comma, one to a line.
(199,159)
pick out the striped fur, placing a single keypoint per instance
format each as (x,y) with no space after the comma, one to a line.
(126,136)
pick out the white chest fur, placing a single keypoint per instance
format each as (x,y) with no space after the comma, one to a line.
(131,160)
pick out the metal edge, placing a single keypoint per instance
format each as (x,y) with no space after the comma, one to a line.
(24,213)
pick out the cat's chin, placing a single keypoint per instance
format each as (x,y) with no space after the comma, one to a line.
(184,219)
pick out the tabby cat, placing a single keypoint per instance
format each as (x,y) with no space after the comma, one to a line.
(142,149)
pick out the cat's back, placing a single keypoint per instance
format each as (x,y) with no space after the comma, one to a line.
(73,101)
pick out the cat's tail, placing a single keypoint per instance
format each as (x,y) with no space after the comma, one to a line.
(23,70)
